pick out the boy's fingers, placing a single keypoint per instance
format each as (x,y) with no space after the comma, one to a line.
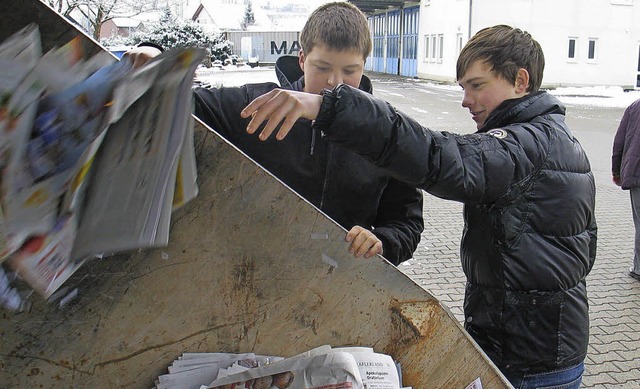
(277,108)
(367,245)
(255,104)
(287,125)
(353,232)
(275,111)
(373,251)
(258,115)
(363,242)
(262,109)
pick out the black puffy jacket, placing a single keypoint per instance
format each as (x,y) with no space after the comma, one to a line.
(348,188)
(530,233)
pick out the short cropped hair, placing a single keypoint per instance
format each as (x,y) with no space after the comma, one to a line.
(339,26)
(505,49)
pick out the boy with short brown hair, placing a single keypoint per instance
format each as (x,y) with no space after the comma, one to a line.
(383,215)
(528,191)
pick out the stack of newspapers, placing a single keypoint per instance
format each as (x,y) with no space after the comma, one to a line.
(320,368)
(94,156)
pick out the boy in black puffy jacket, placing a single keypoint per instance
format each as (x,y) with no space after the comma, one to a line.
(530,232)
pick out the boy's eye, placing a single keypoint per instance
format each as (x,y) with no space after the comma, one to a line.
(323,69)
(349,72)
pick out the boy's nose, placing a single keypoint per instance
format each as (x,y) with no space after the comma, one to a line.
(466,100)
(334,79)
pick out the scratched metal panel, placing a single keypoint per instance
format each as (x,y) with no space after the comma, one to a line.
(250,266)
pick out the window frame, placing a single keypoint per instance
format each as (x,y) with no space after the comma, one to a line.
(594,58)
(576,47)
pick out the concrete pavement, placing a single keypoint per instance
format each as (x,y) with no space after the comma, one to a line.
(613,359)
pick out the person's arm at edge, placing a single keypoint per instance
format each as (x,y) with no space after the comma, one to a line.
(618,147)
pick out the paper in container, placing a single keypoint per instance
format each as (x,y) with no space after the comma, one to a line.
(336,370)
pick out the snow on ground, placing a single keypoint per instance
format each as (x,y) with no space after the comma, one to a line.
(605,97)
(235,75)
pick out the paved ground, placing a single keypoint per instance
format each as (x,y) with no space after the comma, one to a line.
(613,359)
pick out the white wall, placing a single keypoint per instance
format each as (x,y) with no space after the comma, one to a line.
(551,22)
(449,18)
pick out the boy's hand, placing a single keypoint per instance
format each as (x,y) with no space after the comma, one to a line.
(363,242)
(280,106)
(141,55)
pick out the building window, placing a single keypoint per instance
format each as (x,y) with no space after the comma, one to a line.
(440,47)
(433,47)
(573,48)
(427,51)
(458,43)
(592,52)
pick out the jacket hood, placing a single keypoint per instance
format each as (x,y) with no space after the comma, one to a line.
(291,77)
(523,110)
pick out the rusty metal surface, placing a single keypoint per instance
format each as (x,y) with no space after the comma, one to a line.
(250,266)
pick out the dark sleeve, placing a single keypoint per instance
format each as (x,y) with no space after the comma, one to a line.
(618,144)
(399,222)
(473,169)
(220,108)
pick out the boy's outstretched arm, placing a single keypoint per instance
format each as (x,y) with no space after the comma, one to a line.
(278,106)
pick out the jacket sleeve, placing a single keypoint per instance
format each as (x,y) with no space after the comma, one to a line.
(618,144)
(220,108)
(399,222)
(473,169)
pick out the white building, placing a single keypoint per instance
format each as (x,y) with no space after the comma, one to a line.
(586,42)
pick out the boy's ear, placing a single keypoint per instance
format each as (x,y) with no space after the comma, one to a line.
(522,81)
(301,59)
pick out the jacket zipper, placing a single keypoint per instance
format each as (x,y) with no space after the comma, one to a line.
(313,139)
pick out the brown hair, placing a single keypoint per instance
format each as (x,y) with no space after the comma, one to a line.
(505,49)
(340,26)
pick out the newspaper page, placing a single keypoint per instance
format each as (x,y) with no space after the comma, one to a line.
(324,349)
(19,54)
(192,370)
(60,136)
(335,370)
(130,196)
(378,371)
(56,111)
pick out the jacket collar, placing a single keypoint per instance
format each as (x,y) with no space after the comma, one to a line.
(523,110)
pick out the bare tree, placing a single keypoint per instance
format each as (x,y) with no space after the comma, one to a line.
(97,12)
(64,7)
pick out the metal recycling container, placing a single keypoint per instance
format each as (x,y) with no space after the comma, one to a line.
(250,267)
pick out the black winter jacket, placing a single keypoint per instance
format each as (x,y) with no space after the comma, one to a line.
(530,233)
(345,186)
